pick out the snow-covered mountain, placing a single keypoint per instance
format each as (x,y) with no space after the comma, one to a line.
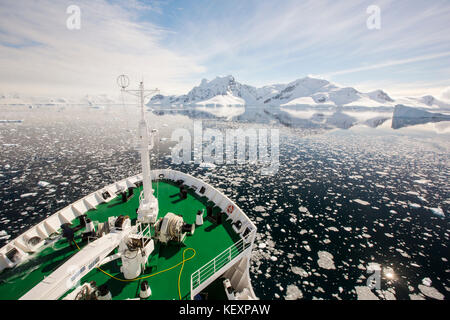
(307,91)
(226,91)
(220,91)
(404,116)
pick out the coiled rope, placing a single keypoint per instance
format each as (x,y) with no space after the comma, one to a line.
(156,273)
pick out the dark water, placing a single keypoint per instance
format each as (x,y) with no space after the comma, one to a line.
(306,208)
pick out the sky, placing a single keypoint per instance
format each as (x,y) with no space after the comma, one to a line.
(173,45)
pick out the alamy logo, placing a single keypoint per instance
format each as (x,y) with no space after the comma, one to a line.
(73,22)
(241,146)
(374,20)
(374,280)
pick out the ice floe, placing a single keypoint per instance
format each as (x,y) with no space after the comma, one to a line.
(293,292)
(325,260)
(431,292)
(364,293)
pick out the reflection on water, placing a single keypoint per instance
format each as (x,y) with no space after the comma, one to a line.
(318,117)
(405,117)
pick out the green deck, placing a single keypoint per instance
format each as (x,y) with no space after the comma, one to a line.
(208,241)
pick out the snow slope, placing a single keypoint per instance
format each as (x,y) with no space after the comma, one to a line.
(306,91)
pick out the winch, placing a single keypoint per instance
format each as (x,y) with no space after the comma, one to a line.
(172,228)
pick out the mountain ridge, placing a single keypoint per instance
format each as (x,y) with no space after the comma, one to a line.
(306,91)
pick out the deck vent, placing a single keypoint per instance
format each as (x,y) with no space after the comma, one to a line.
(106,195)
(34,241)
(183,193)
(209,211)
(13,255)
(202,190)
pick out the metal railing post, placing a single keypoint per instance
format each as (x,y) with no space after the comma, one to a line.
(239,247)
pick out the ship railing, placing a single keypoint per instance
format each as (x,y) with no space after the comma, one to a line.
(218,264)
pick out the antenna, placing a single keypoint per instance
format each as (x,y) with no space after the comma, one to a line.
(123,81)
(148,204)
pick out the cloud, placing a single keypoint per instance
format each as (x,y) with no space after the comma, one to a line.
(390,63)
(399,89)
(40,55)
(267,41)
(259,42)
(446,94)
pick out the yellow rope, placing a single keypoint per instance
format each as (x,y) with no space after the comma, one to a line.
(154,274)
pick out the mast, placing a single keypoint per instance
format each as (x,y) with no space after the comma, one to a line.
(148,204)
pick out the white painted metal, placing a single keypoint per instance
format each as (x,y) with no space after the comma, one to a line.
(68,275)
(205,275)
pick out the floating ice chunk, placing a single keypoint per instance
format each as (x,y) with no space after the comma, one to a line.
(300,271)
(438,211)
(431,292)
(259,209)
(325,260)
(43,183)
(361,202)
(207,165)
(303,209)
(373,266)
(389,295)
(414,205)
(273,258)
(422,199)
(25,195)
(416,297)
(364,293)
(403,253)
(293,293)
(422,181)
(262,245)
(4,235)
(426,282)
